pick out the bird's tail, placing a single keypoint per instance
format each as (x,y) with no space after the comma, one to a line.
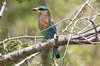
(56,52)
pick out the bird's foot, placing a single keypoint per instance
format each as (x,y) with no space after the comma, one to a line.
(44,40)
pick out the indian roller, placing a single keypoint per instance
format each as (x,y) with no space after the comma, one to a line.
(46,26)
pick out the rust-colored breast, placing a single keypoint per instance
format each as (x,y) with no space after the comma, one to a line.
(43,22)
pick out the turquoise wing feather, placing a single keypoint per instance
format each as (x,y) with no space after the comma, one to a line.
(49,32)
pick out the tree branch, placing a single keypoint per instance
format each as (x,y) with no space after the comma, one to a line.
(62,40)
(84,37)
(87,1)
(21,37)
(3,8)
(26,59)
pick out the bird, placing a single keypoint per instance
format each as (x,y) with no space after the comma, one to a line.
(46,26)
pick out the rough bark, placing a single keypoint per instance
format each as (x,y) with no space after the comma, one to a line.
(62,40)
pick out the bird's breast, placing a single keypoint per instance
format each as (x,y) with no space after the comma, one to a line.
(43,22)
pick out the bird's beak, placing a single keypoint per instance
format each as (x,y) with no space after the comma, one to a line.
(34,9)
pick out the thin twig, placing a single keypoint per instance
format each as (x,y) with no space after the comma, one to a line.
(86,29)
(70,35)
(3,8)
(26,59)
(89,29)
(21,37)
(96,32)
(74,33)
(76,15)
(77,8)
(57,23)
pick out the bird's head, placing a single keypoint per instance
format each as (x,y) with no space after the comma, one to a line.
(41,9)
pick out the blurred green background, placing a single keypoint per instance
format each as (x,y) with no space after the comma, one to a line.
(19,17)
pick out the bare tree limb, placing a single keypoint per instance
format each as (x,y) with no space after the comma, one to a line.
(76,15)
(62,40)
(84,37)
(23,61)
(21,37)
(3,8)
(96,34)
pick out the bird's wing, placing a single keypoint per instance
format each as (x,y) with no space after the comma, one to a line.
(52,25)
